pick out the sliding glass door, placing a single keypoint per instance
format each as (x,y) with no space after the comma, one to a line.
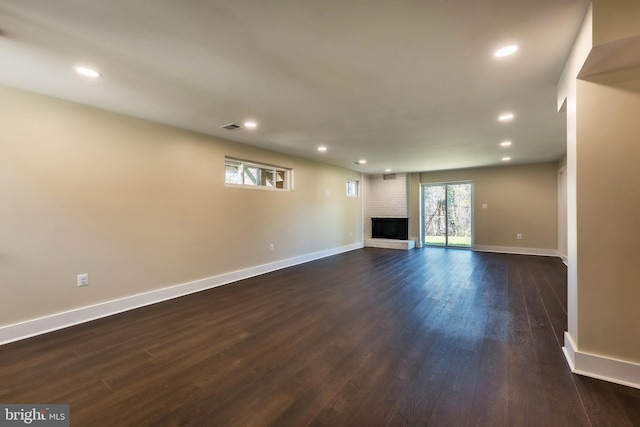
(448,214)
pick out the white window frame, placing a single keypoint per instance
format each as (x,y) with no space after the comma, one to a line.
(353,183)
(246,169)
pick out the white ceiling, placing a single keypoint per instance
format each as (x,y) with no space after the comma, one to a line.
(409,85)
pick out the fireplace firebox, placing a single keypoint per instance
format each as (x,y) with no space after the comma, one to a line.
(390,228)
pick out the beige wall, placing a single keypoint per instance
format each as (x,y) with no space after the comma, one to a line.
(141,206)
(608,211)
(614,20)
(562,210)
(519,199)
(415,229)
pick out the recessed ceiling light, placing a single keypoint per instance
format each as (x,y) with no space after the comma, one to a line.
(505,51)
(250,124)
(505,144)
(506,159)
(88,72)
(362,162)
(387,170)
(322,148)
(506,117)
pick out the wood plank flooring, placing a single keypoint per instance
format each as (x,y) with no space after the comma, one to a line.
(373,337)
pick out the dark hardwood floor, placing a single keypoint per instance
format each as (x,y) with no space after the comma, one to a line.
(373,337)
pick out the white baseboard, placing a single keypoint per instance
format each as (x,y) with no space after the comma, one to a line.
(516,250)
(600,367)
(30,328)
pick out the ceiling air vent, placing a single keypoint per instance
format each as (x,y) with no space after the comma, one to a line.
(388,176)
(231,126)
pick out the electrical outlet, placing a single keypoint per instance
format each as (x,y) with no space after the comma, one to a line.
(272,247)
(519,236)
(83,279)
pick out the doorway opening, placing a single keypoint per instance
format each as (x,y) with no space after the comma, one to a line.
(447,211)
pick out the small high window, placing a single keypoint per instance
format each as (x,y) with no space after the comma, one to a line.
(256,175)
(353,188)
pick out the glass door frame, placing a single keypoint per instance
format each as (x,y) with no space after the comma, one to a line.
(423,214)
